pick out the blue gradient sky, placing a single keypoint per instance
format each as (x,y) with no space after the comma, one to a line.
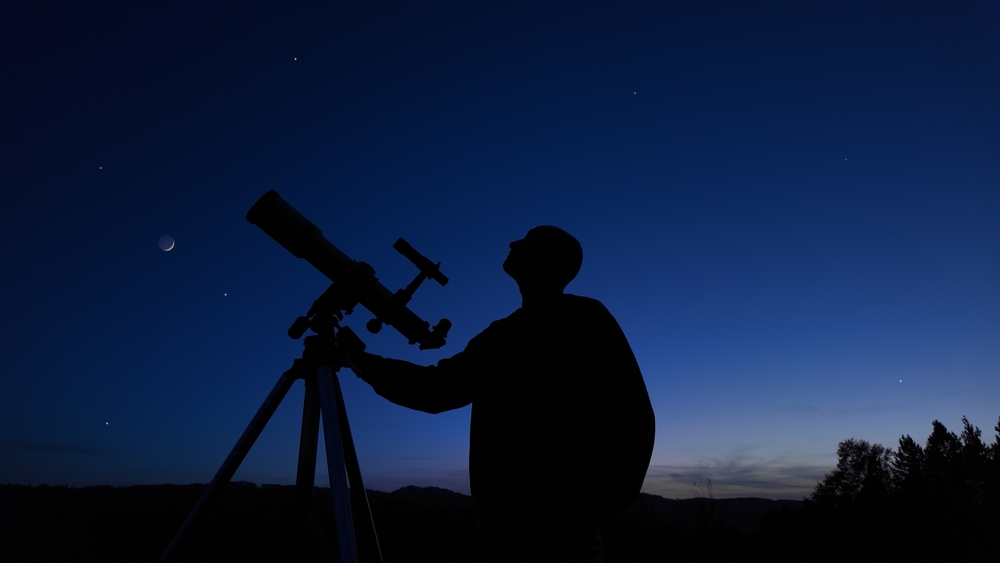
(792,210)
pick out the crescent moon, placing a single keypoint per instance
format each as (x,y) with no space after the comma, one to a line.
(167,243)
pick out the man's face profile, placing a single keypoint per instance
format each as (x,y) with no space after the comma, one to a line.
(546,256)
(516,260)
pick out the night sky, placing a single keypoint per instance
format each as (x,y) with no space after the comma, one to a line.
(792,209)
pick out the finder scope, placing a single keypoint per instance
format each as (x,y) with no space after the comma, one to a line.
(356,280)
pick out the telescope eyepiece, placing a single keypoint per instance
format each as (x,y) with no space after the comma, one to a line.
(428,268)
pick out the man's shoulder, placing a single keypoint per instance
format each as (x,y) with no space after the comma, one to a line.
(592,314)
(581,300)
(500,328)
(589,304)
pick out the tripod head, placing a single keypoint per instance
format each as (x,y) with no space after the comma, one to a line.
(353,282)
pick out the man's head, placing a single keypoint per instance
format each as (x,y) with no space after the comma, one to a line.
(547,258)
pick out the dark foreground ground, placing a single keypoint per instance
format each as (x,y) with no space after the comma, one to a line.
(258,523)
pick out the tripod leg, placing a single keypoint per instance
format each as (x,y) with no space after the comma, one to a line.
(236,456)
(305,478)
(343,522)
(368,546)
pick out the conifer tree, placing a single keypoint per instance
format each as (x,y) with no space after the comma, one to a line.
(908,468)
(862,475)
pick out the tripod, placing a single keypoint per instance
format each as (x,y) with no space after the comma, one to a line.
(323,356)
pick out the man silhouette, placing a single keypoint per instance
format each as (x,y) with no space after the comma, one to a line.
(562,427)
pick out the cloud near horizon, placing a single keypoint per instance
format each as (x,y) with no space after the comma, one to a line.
(732,475)
(736,475)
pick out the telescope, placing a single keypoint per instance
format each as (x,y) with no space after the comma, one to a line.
(354,539)
(353,282)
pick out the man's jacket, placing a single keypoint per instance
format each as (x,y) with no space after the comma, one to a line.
(560,413)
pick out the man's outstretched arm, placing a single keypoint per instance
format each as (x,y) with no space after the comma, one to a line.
(431,389)
(451,384)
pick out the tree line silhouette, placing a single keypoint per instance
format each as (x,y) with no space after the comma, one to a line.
(952,473)
(942,498)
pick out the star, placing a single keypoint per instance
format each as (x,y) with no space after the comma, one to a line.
(105,423)
(295,59)
(225,294)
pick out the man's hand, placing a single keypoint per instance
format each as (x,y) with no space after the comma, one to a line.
(351,347)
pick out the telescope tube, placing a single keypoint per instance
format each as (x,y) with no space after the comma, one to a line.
(304,240)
